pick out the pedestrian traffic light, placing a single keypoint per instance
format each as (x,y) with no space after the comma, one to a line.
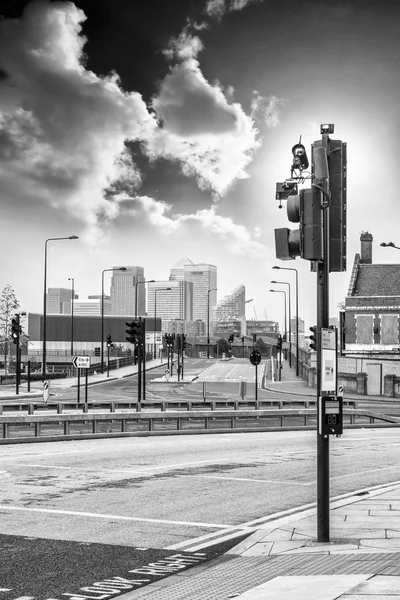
(307,240)
(15,329)
(313,338)
(109,341)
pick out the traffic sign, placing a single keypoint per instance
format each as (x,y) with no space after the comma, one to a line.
(46,390)
(81,362)
(255,357)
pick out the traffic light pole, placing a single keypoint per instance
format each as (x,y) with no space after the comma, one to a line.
(322,322)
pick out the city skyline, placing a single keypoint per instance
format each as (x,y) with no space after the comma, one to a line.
(156,138)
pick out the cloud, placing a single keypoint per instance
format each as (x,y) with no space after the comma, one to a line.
(236,238)
(217,8)
(267,109)
(213,139)
(184,46)
(63,128)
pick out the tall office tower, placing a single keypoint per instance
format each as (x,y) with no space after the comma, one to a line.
(90,307)
(232,306)
(204,278)
(177,271)
(176,303)
(123,291)
(57,299)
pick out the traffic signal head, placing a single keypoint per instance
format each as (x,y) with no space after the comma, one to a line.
(231,338)
(300,160)
(135,332)
(279,343)
(313,338)
(15,329)
(183,341)
(109,341)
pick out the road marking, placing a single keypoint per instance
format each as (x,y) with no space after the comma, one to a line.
(46,466)
(16,457)
(366,472)
(274,481)
(114,517)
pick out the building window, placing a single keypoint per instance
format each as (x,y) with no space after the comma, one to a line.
(389,329)
(365,334)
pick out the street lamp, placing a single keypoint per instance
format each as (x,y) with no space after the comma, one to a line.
(102,313)
(290,317)
(71,237)
(155,315)
(72,313)
(389,245)
(208,320)
(297,313)
(282,292)
(136,298)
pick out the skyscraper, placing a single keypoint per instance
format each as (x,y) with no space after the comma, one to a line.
(58,301)
(204,278)
(176,303)
(232,306)
(123,289)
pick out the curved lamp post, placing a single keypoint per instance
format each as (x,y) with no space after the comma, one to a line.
(136,298)
(282,292)
(290,317)
(208,320)
(72,313)
(155,315)
(389,245)
(297,313)
(70,237)
(102,313)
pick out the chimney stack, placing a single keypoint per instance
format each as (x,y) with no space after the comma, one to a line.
(366,248)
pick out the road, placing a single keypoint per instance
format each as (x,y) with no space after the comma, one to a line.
(159,496)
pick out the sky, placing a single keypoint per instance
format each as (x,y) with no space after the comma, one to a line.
(155,130)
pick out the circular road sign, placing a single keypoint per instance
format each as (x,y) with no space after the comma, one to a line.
(255,357)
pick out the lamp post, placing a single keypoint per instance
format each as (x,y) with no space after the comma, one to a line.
(208,320)
(136,298)
(155,315)
(282,292)
(389,245)
(297,313)
(290,317)
(71,237)
(102,313)
(72,313)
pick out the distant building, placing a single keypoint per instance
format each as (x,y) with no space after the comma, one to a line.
(173,303)
(123,291)
(232,306)
(91,307)
(58,301)
(204,280)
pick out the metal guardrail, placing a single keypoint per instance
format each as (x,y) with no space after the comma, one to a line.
(65,420)
(164,405)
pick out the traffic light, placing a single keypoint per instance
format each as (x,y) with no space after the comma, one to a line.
(279,344)
(15,329)
(183,341)
(134,332)
(307,240)
(313,338)
(231,338)
(109,341)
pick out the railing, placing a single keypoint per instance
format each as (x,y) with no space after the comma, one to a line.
(72,426)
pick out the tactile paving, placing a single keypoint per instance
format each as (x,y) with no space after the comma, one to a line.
(240,574)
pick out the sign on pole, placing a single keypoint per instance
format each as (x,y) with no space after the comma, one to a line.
(255,357)
(81,362)
(46,390)
(328,361)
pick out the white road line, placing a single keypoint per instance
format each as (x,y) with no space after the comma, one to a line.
(366,472)
(114,517)
(274,481)
(53,454)
(45,466)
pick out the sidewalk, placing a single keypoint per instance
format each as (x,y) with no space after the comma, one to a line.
(291,384)
(282,559)
(8,392)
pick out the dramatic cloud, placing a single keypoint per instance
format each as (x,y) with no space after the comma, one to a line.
(267,110)
(62,128)
(213,139)
(184,46)
(236,238)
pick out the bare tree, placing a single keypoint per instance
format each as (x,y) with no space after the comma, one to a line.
(9,305)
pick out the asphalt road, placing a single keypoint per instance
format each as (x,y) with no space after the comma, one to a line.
(157,496)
